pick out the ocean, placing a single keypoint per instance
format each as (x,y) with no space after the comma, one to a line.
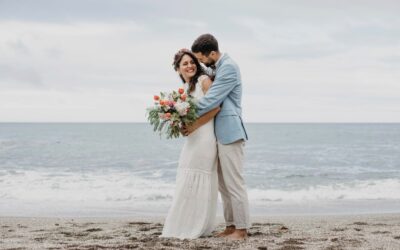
(125,169)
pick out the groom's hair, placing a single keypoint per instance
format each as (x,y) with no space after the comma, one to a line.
(205,44)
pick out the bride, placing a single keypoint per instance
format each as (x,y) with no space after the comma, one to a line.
(194,205)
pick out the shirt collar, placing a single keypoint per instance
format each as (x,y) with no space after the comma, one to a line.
(219,60)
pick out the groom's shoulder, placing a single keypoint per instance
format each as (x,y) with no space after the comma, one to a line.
(229,63)
(227,59)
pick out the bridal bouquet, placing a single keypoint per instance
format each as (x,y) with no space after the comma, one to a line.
(171,111)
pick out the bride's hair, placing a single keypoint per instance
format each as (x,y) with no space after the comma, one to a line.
(199,71)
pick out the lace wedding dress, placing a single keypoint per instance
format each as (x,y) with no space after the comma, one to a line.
(194,205)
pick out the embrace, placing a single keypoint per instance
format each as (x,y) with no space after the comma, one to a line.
(212,156)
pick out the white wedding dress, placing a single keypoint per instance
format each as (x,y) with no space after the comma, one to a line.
(194,205)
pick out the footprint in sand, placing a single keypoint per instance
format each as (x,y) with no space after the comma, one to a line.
(381,232)
(360,223)
(138,223)
(94,230)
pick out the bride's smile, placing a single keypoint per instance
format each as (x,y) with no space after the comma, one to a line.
(187,68)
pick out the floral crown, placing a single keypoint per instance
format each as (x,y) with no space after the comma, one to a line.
(179,54)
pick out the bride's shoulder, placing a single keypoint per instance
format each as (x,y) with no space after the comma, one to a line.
(202,78)
(205,82)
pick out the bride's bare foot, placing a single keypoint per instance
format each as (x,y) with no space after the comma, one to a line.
(228,230)
(238,234)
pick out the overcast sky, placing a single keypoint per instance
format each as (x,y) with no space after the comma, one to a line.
(102,61)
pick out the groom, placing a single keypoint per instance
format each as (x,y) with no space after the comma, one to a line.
(226,91)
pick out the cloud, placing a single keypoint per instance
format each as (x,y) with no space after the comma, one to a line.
(186,23)
(66,55)
(102,61)
(10,75)
(18,47)
(84,106)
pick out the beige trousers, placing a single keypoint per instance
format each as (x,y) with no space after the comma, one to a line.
(232,185)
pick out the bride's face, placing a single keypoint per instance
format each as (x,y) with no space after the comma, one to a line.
(187,67)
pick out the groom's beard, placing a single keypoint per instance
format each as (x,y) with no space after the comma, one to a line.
(210,64)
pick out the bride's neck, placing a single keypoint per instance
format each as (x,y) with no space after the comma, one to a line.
(187,80)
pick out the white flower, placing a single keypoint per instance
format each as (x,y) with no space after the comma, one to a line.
(166,108)
(182,107)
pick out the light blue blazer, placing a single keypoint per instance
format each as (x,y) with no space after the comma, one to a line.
(226,90)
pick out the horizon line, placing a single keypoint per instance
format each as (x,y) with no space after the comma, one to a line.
(132,122)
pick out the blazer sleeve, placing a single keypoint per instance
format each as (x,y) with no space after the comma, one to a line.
(219,90)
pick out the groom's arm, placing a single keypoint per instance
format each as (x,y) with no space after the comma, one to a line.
(186,130)
(220,89)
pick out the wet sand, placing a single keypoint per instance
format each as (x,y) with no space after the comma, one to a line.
(267,232)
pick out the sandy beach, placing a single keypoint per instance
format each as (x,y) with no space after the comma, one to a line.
(274,232)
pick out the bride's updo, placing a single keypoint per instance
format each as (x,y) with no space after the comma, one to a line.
(199,71)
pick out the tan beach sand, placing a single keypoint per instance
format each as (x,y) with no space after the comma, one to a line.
(275,232)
